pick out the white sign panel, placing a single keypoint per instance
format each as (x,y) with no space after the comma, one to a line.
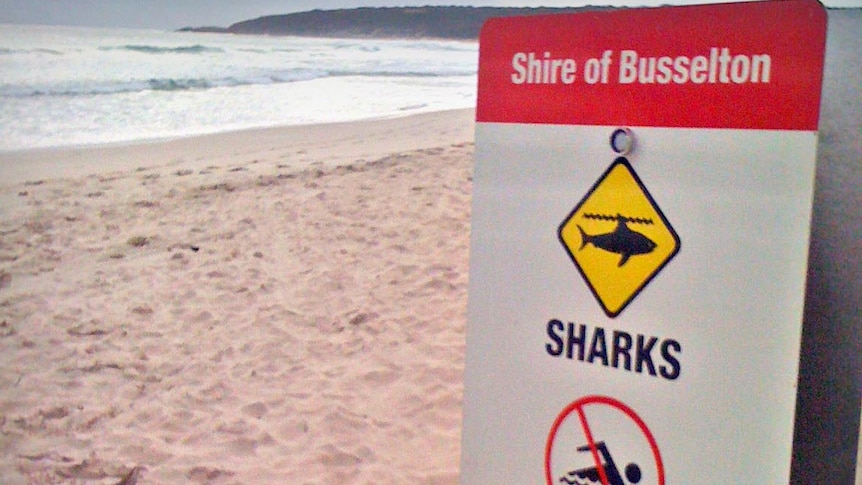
(641,216)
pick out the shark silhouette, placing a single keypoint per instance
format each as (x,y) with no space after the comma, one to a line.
(622,241)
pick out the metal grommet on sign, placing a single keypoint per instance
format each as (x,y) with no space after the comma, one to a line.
(622,141)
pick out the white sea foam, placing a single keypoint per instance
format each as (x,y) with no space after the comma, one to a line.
(70,86)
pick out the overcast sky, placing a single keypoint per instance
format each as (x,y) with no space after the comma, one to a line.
(172,14)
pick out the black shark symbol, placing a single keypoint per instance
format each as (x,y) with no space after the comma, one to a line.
(622,241)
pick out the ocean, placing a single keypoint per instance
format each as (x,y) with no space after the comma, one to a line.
(69,86)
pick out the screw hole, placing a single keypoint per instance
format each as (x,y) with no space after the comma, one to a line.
(622,141)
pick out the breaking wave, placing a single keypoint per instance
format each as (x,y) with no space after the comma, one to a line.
(7,51)
(153,49)
(70,85)
(188,84)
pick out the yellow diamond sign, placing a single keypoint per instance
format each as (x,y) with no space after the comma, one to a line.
(618,237)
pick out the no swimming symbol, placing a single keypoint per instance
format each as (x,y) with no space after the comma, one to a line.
(599,440)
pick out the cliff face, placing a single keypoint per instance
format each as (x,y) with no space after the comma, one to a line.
(401,22)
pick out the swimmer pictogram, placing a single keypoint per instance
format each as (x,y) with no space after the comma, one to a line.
(574,454)
(607,467)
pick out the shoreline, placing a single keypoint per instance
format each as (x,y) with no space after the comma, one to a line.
(193,152)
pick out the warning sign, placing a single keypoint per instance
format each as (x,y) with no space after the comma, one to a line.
(640,223)
(599,440)
(618,237)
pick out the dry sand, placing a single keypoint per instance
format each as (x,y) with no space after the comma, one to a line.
(271,306)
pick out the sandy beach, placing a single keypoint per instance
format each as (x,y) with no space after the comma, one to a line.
(271,306)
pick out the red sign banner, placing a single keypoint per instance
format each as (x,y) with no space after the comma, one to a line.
(754,65)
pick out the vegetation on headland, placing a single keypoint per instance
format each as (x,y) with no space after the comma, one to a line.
(461,23)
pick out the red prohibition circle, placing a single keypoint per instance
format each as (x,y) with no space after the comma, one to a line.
(577,406)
